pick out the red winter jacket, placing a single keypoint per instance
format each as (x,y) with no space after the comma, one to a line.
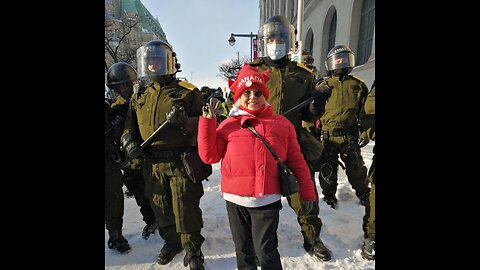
(248,168)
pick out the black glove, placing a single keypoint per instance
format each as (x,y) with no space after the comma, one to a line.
(177,115)
(134,150)
(307,206)
(363,140)
(117,124)
(322,93)
(118,121)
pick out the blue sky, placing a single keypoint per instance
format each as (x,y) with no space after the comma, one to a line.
(199,31)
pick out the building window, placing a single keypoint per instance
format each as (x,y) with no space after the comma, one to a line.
(332,32)
(292,9)
(365,40)
(272,8)
(309,41)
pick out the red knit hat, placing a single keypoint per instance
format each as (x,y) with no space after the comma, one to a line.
(248,77)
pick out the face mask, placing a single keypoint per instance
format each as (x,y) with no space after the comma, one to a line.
(276,51)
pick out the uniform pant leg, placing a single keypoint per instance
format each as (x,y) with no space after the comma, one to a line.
(186,208)
(328,171)
(176,203)
(140,198)
(371,216)
(158,191)
(310,224)
(368,224)
(355,169)
(114,204)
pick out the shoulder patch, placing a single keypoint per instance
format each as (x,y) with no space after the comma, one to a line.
(358,79)
(187,85)
(300,65)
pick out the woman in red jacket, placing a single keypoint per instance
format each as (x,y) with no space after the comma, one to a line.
(250,182)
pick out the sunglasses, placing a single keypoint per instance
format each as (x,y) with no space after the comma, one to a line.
(256,93)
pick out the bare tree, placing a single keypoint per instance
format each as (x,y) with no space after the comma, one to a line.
(117,47)
(229,70)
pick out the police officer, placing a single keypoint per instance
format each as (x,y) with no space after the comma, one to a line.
(121,78)
(175,198)
(368,123)
(113,186)
(289,84)
(340,111)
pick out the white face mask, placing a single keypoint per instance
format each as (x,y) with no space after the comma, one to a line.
(276,51)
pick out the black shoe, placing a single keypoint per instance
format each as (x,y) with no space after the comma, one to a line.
(368,249)
(129,194)
(319,250)
(307,244)
(147,230)
(194,260)
(120,245)
(332,201)
(364,199)
(168,252)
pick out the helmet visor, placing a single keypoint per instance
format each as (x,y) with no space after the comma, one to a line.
(154,61)
(340,60)
(276,32)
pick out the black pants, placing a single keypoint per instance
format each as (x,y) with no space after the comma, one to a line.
(135,183)
(254,233)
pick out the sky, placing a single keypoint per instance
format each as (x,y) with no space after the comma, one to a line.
(341,233)
(199,31)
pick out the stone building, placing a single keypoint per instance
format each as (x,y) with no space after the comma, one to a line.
(120,17)
(327,23)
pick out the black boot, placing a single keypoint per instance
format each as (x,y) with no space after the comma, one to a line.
(368,249)
(318,249)
(307,244)
(168,252)
(117,242)
(147,230)
(331,200)
(364,199)
(128,193)
(194,260)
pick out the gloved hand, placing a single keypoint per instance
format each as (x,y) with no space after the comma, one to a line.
(307,206)
(322,92)
(134,150)
(118,121)
(177,115)
(363,140)
(117,124)
(213,108)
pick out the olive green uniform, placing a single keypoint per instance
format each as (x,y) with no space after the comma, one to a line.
(132,173)
(113,176)
(288,86)
(174,197)
(368,123)
(340,135)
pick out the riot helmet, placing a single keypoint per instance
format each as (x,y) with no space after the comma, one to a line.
(156,62)
(276,37)
(340,60)
(121,77)
(218,94)
(205,90)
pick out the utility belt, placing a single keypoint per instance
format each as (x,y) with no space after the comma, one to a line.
(352,133)
(155,154)
(194,167)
